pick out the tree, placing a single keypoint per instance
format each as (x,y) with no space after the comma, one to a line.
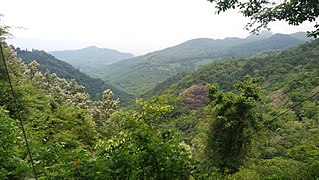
(262,12)
(236,123)
(103,109)
(143,146)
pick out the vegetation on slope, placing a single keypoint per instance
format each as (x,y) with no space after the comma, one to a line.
(93,86)
(275,69)
(140,74)
(288,78)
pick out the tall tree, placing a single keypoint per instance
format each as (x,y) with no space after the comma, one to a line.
(235,125)
(262,12)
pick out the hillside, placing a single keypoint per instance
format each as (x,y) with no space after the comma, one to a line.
(93,86)
(277,71)
(140,74)
(90,58)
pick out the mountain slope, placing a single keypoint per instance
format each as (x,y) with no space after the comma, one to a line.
(140,74)
(278,70)
(93,86)
(90,58)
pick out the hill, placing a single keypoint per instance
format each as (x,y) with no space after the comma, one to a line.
(279,72)
(93,86)
(90,58)
(140,74)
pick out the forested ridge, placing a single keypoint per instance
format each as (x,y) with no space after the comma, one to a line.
(230,119)
(276,70)
(93,86)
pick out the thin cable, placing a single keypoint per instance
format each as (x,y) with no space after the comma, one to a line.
(18,112)
(291,108)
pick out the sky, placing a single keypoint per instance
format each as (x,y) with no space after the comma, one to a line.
(138,26)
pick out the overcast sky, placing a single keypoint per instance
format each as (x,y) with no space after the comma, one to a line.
(135,26)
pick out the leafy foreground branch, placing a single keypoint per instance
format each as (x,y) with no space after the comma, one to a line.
(263,12)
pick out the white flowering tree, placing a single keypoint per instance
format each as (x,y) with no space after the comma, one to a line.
(104,108)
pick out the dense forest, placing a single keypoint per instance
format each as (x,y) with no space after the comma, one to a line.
(246,118)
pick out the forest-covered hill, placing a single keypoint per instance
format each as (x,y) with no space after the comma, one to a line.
(275,70)
(93,86)
(91,58)
(140,74)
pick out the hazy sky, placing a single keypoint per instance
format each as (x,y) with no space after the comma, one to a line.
(136,26)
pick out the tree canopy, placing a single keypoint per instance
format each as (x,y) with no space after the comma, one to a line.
(262,12)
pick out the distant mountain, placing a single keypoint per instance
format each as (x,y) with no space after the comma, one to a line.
(301,36)
(140,74)
(93,86)
(90,58)
(260,36)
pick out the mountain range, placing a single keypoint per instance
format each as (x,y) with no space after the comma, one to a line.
(140,74)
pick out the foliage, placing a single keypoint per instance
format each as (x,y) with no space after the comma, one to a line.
(288,77)
(57,118)
(235,125)
(104,108)
(263,12)
(10,139)
(141,148)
